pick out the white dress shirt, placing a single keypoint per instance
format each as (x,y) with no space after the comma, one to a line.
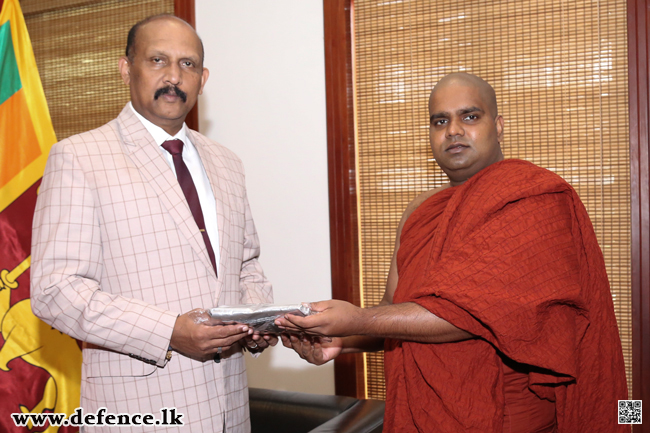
(195,166)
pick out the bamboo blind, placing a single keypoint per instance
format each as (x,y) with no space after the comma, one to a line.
(77,45)
(559,69)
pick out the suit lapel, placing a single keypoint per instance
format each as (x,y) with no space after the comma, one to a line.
(145,154)
(216,174)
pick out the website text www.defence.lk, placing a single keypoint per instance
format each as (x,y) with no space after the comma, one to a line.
(168,416)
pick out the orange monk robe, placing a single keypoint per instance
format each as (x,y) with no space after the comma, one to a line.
(511,257)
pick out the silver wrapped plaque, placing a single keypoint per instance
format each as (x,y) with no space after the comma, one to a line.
(260,317)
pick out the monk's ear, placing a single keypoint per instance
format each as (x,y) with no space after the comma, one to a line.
(499,124)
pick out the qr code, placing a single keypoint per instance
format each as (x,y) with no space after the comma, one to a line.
(629,411)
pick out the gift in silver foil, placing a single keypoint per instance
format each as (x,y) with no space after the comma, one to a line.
(260,317)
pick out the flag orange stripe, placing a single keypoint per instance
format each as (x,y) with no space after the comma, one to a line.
(24,174)
(21,146)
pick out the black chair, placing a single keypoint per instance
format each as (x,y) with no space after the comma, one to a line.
(296,412)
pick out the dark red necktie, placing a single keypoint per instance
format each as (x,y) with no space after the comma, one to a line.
(175,147)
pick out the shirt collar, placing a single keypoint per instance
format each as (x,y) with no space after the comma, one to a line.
(160,135)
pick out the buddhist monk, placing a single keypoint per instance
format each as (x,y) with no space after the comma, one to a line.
(497,315)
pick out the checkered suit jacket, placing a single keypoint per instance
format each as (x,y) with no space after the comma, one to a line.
(117,256)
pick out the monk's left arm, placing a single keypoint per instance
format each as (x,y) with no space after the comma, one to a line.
(406,321)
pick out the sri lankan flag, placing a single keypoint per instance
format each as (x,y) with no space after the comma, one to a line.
(39,366)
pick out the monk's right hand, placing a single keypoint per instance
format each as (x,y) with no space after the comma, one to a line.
(196,337)
(314,350)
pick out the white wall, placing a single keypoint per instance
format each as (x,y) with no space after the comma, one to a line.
(265,100)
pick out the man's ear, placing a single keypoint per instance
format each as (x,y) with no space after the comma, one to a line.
(125,69)
(204,78)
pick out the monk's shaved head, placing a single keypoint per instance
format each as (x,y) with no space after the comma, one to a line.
(465,128)
(464,79)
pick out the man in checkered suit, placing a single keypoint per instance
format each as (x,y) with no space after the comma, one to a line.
(119,261)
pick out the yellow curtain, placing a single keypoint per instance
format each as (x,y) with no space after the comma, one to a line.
(559,69)
(77,45)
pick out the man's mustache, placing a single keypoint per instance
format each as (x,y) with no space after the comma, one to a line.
(170,90)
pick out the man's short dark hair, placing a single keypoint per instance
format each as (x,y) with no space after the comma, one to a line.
(130,39)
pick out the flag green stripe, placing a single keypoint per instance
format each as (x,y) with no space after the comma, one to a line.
(9,75)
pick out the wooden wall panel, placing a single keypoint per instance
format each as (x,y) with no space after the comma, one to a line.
(638,49)
(185,9)
(348,369)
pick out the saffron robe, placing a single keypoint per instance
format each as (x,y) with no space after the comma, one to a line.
(511,257)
